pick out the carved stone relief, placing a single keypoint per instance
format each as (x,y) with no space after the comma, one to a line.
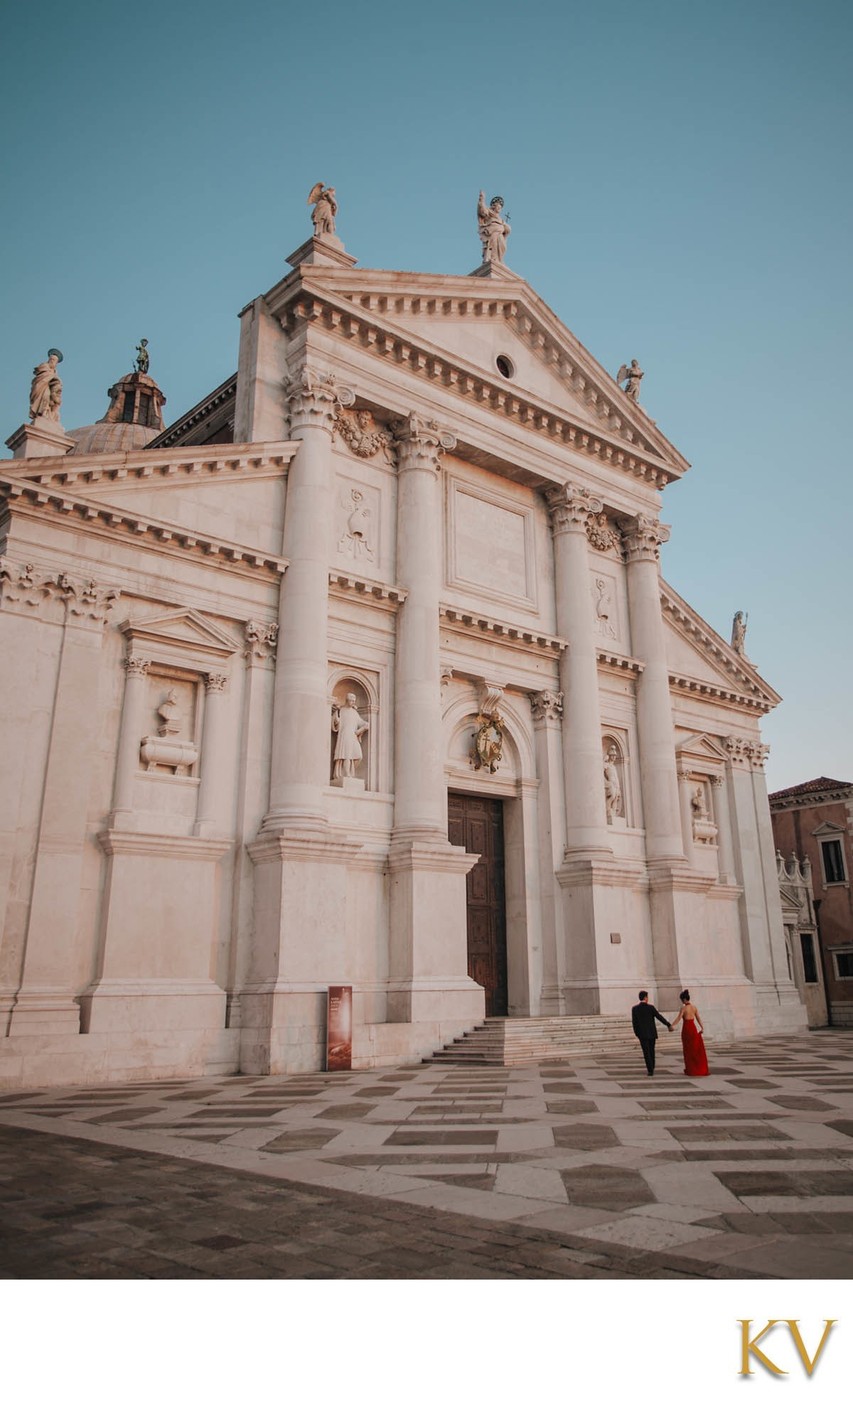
(358,523)
(489,731)
(604,608)
(546,706)
(261,642)
(601,534)
(362,434)
(24,587)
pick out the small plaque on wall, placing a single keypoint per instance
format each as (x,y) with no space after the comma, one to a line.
(339,1027)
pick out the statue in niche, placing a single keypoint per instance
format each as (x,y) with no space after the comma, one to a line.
(488,744)
(612,785)
(325,206)
(142,357)
(170,715)
(493,229)
(704,831)
(602,609)
(356,539)
(631,375)
(46,388)
(350,729)
(739,632)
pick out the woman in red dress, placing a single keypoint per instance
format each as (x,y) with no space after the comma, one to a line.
(695,1059)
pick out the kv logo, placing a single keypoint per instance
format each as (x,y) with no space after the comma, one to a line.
(749,1348)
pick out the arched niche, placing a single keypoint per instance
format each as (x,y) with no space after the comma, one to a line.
(614,759)
(361,684)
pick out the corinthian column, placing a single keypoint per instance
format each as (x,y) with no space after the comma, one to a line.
(420,803)
(136,668)
(642,539)
(586,815)
(300,738)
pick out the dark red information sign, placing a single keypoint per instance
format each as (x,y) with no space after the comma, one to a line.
(339,1027)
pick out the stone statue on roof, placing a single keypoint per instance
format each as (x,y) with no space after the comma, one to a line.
(493,229)
(142,357)
(631,375)
(739,631)
(325,206)
(46,388)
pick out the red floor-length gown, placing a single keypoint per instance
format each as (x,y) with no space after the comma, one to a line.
(695,1058)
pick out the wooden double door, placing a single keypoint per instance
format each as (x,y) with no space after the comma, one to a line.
(477,825)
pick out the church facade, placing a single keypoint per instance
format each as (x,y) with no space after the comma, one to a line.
(363,673)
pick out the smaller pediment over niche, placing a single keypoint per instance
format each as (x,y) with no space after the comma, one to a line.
(178,637)
(828,830)
(702,753)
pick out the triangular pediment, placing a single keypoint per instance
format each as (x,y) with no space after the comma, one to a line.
(181,631)
(474,320)
(698,656)
(701,751)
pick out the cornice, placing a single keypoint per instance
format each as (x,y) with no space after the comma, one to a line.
(756,691)
(815,799)
(420,357)
(620,664)
(106,520)
(485,628)
(146,468)
(355,588)
(213,403)
(703,690)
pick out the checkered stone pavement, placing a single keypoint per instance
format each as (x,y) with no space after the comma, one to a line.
(748,1172)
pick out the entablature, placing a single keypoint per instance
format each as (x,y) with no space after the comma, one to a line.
(146,467)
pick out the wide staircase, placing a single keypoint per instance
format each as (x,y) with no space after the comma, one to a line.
(516,1041)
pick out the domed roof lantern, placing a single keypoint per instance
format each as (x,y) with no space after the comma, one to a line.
(134,417)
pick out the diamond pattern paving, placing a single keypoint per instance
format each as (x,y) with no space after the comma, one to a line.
(748,1172)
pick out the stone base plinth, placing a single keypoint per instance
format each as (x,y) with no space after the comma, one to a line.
(40,439)
(321,251)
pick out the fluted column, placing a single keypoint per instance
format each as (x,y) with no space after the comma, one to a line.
(209,814)
(586,815)
(642,539)
(420,803)
(136,669)
(300,740)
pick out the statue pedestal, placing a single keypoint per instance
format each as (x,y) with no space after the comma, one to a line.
(494,268)
(41,439)
(321,251)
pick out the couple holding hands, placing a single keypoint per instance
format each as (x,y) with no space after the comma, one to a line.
(643,1018)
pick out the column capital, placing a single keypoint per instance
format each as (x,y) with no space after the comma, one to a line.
(316,399)
(546,706)
(572,508)
(136,667)
(420,444)
(261,639)
(642,537)
(215,682)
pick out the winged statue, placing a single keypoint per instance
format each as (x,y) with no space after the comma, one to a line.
(632,374)
(322,199)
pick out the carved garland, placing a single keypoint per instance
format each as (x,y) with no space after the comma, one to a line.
(81,596)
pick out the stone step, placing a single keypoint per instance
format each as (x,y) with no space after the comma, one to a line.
(515,1041)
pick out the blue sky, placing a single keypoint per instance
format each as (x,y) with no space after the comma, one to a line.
(679,182)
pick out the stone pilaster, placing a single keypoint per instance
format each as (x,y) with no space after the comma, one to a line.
(210,814)
(547,711)
(136,669)
(46,1000)
(725,851)
(428,976)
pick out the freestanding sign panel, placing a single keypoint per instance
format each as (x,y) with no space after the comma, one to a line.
(339,1027)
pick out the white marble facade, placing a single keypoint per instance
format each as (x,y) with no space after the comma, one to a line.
(182,870)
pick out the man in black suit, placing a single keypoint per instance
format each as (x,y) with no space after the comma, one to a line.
(643,1018)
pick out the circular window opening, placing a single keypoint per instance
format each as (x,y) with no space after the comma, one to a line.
(505,366)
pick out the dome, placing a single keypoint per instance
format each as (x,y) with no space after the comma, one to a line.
(132,420)
(110,438)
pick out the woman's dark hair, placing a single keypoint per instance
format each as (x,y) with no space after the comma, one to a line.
(684,996)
